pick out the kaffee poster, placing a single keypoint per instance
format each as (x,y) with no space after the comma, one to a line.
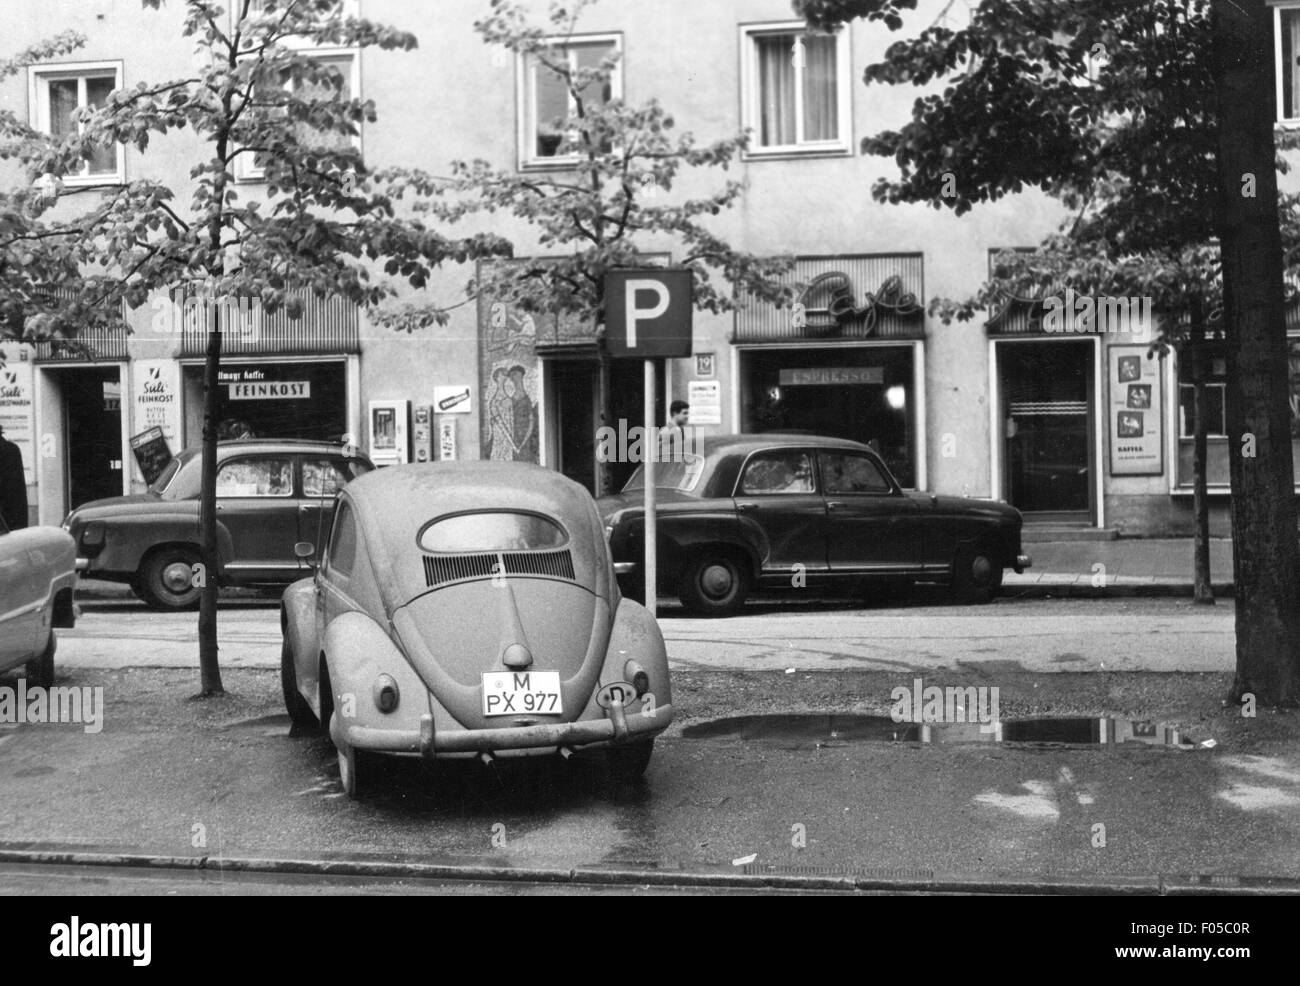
(1135,412)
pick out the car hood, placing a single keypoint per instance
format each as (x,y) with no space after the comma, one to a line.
(966,505)
(116,505)
(563,626)
(665,499)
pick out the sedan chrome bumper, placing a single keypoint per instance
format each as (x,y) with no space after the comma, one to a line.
(83,564)
(617,727)
(1022,562)
(624,567)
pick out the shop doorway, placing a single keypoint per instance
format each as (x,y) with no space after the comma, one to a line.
(1047,417)
(575,403)
(92,429)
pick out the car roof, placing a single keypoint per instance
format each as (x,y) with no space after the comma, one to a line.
(754,441)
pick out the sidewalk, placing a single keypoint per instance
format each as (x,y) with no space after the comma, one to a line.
(1128,567)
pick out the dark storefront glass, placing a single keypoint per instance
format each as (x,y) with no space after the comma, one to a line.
(864,393)
(272,400)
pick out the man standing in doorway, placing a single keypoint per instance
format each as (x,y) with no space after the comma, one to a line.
(13,484)
(672,438)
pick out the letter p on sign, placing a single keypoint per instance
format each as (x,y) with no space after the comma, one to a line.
(648,313)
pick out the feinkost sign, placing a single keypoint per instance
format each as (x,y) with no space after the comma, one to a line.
(272,390)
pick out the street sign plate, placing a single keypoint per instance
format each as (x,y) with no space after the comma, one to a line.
(648,313)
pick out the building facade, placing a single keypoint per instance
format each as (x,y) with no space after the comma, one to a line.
(1073,423)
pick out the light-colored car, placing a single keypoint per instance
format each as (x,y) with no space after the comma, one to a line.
(38,576)
(470,609)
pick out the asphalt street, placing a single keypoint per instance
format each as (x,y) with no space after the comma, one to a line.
(780,759)
(817,635)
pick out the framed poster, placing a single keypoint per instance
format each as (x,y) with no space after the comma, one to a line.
(152,453)
(1135,412)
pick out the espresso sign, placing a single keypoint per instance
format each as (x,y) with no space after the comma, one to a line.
(826,376)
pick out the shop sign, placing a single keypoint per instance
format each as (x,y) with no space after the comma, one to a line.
(152,453)
(825,376)
(155,403)
(271,390)
(17,409)
(452,400)
(1135,413)
(705,398)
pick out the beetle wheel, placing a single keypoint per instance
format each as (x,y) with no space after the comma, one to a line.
(166,579)
(300,713)
(40,669)
(713,584)
(628,763)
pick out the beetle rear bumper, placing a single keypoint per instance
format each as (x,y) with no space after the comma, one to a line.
(616,727)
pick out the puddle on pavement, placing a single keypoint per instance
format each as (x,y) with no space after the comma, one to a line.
(810,731)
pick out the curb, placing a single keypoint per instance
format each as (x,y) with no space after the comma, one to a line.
(1122,590)
(749,878)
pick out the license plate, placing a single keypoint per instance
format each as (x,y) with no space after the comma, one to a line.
(507,693)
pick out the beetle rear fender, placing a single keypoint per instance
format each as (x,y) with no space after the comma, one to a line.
(636,637)
(298,620)
(357,650)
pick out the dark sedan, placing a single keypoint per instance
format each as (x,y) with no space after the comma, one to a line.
(271,494)
(795,511)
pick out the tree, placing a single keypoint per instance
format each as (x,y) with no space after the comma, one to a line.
(613,207)
(1260,457)
(1110,107)
(326,225)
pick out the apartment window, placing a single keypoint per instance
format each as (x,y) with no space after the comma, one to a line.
(57,94)
(795,90)
(1286,43)
(546,104)
(344,62)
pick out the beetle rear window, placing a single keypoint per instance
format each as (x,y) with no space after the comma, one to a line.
(494,530)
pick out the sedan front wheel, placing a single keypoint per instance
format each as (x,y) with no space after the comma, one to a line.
(976,574)
(166,579)
(714,585)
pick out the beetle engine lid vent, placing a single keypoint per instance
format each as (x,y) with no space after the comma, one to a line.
(557,564)
(440,569)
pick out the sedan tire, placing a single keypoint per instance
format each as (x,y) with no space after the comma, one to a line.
(165,579)
(976,574)
(713,584)
(40,670)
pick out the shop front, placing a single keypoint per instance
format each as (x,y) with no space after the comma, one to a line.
(846,361)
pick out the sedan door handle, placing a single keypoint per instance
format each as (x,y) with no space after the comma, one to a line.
(304,507)
(746,507)
(834,504)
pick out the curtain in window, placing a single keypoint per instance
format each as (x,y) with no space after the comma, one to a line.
(776,90)
(820,116)
(104,159)
(63,101)
(550,108)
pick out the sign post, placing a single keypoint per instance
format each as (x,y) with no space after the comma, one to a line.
(648,315)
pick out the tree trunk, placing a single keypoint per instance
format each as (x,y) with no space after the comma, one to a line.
(1202,590)
(1266,557)
(209,667)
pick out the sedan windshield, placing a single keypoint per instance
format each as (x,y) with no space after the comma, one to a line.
(497,530)
(681,474)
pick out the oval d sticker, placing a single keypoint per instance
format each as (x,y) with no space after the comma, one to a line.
(616,693)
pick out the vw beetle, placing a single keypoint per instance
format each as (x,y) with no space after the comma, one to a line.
(470,609)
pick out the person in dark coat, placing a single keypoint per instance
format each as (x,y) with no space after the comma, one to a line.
(13,484)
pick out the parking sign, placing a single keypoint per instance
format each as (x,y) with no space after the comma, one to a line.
(648,312)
